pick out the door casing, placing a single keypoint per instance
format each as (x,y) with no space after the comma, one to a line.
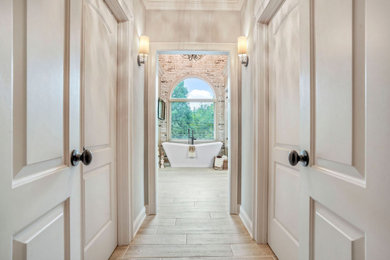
(155,48)
(263,15)
(124,149)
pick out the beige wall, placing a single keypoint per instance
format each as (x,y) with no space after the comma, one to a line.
(193,26)
(247,116)
(137,121)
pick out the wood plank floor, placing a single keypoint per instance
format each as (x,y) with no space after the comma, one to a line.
(193,221)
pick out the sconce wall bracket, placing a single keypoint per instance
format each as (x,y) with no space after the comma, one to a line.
(244,60)
(141,58)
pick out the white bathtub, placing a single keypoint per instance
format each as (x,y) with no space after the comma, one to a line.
(178,154)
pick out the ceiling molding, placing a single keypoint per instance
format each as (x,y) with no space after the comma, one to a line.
(197,5)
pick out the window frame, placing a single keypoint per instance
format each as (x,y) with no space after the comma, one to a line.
(189,100)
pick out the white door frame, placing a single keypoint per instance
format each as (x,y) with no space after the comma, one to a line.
(125,17)
(156,47)
(264,11)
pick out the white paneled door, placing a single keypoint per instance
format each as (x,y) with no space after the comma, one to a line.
(99,88)
(345,127)
(39,127)
(329,78)
(284,102)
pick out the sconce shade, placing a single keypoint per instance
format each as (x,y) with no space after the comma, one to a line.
(143,45)
(242,50)
(242,45)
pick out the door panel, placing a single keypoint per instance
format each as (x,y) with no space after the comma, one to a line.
(39,98)
(283,35)
(31,243)
(39,79)
(344,213)
(339,87)
(335,238)
(99,113)
(39,85)
(97,201)
(286,198)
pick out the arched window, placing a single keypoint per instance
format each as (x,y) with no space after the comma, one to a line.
(192,106)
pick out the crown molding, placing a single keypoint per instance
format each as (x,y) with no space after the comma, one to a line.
(197,5)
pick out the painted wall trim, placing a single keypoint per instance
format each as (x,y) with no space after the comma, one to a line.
(246,221)
(120,10)
(155,47)
(260,190)
(264,11)
(138,221)
(267,9)
(123,14)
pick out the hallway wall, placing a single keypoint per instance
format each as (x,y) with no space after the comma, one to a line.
(137,139)
(193,26)
(247,117)
(247,144)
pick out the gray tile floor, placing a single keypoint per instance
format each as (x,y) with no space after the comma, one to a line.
(193,221)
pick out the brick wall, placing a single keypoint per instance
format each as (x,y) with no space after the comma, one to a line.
(211,68)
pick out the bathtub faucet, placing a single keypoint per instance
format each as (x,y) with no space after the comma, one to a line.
(191,136)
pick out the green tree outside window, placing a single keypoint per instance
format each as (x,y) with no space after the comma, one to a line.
(197,116)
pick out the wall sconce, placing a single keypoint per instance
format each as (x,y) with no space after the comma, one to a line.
(143,49)
(242,49)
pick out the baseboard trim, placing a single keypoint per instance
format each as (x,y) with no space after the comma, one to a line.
(246,221)
(138,221)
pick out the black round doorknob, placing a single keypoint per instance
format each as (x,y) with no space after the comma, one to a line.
(294,158)
(85,157)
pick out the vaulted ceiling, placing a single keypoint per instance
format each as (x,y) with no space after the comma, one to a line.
(221,5)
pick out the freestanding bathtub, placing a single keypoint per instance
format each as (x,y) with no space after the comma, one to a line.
(178,154)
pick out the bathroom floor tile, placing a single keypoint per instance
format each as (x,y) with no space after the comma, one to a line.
(193,222)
